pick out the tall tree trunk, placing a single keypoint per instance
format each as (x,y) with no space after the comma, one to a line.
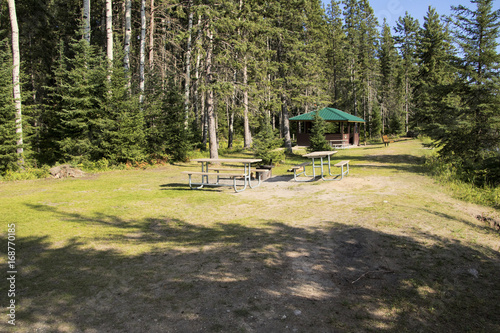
(286,124)
(15,79)
(86,19)
(230,114)
(212,130)
(197,102)
(187,82)
(109,35)
(151,35)
(407,101)
(246,124)
(142,56)
(128,34)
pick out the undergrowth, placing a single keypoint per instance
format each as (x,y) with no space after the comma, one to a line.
(448,175)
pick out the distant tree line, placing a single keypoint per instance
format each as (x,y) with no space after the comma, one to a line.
(135,80)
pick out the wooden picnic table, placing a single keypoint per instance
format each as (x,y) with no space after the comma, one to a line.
(327,154)
(314,156)
(232,173)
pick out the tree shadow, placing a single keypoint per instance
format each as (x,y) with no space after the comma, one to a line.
(229,277)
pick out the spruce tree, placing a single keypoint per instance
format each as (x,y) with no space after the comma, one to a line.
(123,127)
(389,64)
(317,138)
(77,103)
(406,40)
(477,31)
(266,143)
(336,39)
(435,101)
(8,138)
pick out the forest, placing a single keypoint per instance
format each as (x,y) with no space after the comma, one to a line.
(130,81)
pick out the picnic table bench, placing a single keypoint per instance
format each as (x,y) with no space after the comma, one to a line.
(386,140)
(297,167)
(343,164)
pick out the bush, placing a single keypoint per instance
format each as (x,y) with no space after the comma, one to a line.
(27,174)
(266,144)
(318,130)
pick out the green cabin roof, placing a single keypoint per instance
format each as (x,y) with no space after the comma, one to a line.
(329,114)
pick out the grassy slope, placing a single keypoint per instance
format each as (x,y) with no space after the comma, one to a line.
(385,249)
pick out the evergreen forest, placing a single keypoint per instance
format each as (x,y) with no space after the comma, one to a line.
(130,81)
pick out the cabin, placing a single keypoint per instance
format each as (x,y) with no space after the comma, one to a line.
(346,127)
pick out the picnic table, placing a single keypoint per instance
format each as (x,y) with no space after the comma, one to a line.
(314,156)
(321,155)
(222,172)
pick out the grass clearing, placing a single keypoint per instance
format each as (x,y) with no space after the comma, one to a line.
(386,249)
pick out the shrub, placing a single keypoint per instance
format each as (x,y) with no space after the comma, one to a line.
(266,143)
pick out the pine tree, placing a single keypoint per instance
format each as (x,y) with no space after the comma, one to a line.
(123,138)
(389,64)
(477,31)
(8,138)
(406,40)
(435,102)
(317,138)
(335,52)
(76,100)
(266,143)
(367,59)
(375,121)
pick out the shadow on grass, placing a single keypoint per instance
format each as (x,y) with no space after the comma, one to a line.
(229,277)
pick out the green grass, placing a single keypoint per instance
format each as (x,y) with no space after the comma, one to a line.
(387,249)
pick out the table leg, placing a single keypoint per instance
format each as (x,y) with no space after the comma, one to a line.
(250,178)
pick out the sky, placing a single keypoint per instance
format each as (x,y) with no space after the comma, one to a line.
(393,9)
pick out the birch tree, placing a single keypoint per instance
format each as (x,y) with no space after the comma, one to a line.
(109,35)
(15,78)
(142,56)
(187,81)
(128,34)
(86,20)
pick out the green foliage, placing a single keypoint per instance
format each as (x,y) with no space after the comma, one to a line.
(8,138)
(266,143)
(375,122)
(76,102)
(166,133)
(460,183)
(396,125)
(317,138)
(123,137)
(28,173)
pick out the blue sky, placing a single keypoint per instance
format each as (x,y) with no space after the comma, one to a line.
(393,9)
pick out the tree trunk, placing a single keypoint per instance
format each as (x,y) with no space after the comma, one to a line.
(212,130)
(142,50)
(86,19)
(15,79)
(128,34)
(247,134)
(196,97)
(286,124)
(109,35)
(187,82)
(230,114)
(151,35)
